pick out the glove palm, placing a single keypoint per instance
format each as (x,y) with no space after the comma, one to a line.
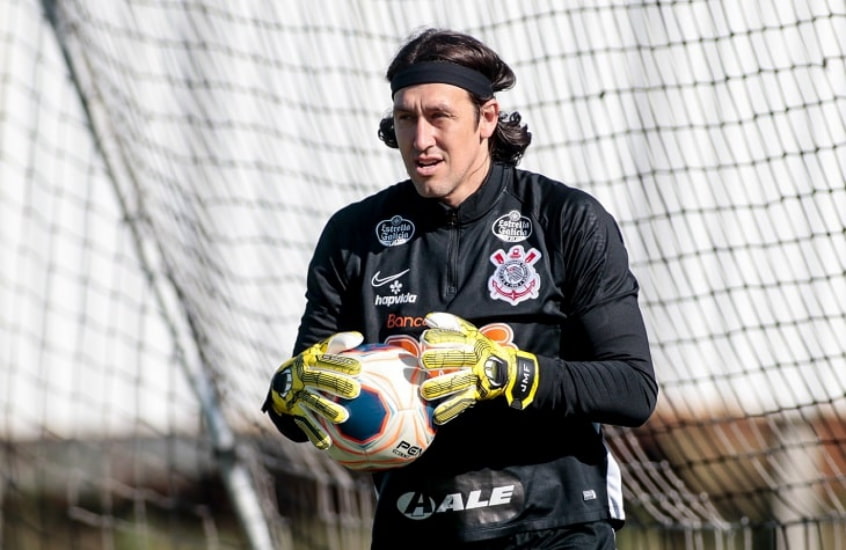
(299,385)
(476,367)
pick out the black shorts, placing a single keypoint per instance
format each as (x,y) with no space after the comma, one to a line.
(598,535)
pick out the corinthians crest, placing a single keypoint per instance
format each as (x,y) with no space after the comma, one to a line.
(514,279)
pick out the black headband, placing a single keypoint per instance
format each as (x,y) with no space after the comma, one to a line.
(443,72)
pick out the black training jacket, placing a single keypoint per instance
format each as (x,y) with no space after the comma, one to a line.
(550,262)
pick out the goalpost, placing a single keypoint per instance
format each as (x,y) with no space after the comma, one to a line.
(166,167)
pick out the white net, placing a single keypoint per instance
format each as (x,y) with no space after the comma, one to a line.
(166,169)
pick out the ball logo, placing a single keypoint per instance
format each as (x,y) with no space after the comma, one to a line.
(512,227)
(405,449)
(514,279)
(395,231)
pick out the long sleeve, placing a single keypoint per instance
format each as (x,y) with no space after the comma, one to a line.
(604,370)
(617,386)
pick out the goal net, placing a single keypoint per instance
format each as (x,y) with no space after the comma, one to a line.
(167,166)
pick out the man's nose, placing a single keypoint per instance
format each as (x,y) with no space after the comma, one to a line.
(423,135)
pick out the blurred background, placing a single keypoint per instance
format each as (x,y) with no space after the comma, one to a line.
(166,167)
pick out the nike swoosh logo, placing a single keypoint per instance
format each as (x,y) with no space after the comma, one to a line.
(376,281)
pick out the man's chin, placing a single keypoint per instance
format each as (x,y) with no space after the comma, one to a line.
(427,188)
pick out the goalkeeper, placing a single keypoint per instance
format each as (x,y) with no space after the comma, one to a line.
(517,288)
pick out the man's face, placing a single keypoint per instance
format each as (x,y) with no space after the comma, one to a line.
(442,139)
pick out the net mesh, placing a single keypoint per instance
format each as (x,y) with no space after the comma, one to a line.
(167,167)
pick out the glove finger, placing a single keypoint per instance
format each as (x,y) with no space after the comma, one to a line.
(315,435)
(447,358)
(440,338)
(452,407)
(447,321)
(343,341)
(328,409)
(343,364)
(447,384)
(333,383)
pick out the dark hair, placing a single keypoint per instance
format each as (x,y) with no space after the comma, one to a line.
(510,138)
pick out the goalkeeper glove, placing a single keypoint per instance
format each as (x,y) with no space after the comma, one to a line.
(477,368)
(296,387)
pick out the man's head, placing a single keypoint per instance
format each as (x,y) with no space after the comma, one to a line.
(446,121)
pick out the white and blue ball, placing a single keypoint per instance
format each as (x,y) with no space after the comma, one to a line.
(389,425)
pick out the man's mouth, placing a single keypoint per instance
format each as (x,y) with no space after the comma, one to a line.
(426,167)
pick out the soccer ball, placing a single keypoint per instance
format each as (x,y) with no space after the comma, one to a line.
(389,425)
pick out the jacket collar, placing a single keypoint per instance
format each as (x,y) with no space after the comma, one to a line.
(473,207)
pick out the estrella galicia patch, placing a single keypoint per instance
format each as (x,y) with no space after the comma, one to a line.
(484,497)
(514,278)
(512,227)
(395,231)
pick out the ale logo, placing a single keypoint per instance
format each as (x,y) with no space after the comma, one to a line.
(416,505)
(490,503)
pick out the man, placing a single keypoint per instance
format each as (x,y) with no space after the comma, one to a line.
(519,281)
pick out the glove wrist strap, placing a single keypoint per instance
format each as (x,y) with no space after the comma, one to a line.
(524,384)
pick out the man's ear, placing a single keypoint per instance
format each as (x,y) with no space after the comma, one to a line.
(488,118)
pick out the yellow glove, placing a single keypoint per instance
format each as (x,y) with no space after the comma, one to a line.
(476,368)
(296,386)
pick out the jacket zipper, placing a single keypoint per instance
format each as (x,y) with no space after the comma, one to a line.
(452,254)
